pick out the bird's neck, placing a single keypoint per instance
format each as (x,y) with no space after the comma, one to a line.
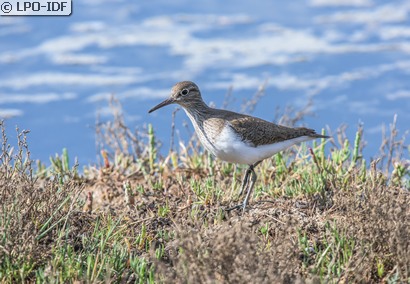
(197,110)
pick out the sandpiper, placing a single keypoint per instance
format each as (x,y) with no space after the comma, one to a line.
(235,137)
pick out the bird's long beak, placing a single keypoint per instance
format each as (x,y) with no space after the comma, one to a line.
(164,103)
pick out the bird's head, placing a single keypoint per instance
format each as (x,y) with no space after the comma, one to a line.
(184,93)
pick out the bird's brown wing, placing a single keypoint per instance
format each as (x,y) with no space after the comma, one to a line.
(262,132)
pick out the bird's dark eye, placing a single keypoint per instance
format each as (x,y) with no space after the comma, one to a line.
(184,92)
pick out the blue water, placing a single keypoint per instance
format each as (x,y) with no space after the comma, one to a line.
(350,56)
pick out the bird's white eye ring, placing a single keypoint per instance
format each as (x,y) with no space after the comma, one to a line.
(184,92)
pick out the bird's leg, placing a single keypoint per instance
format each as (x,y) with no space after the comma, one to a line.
(248,194)
(245,181)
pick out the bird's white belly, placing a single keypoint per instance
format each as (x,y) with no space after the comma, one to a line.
(229,147)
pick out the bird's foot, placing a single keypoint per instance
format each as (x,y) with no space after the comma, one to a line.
(236,207)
